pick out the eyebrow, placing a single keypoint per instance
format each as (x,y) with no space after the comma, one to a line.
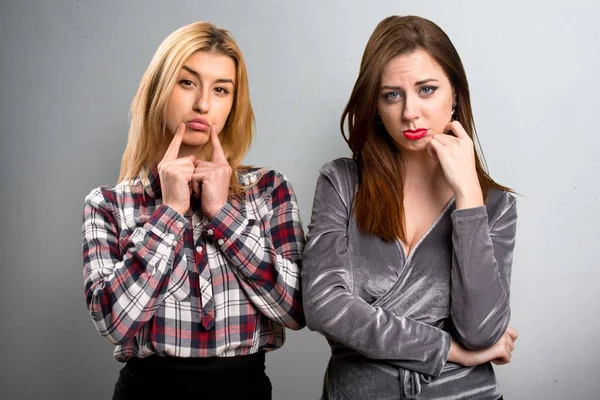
(419,83)
(193,72)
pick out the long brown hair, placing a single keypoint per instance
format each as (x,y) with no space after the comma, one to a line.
(147,130)
(379,201)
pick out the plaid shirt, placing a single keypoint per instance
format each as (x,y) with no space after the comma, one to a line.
(184,286)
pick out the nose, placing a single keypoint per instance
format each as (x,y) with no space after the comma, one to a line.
(202,101)
(410,111)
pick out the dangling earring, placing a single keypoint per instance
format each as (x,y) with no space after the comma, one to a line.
(453,115)
(378,120)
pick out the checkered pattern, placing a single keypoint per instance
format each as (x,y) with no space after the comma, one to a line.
(184,286)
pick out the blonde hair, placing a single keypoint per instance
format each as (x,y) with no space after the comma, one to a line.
(147,129)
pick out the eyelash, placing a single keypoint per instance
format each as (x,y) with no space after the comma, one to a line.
(186,82)
(433,89)
(388,96)
(219,89)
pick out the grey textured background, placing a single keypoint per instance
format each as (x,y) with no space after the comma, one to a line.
(69,70)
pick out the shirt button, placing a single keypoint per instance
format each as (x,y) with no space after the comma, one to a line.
(210,232)
(220,241)
(180,224)
(199,249)
(171,236)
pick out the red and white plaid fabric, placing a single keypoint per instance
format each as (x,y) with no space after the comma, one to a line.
(157,282)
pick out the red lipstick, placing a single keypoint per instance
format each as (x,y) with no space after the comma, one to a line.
(415,134)
(198,124)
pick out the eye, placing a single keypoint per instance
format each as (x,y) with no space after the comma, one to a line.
(428,90)
(186,83)
(221,90)
(391,96)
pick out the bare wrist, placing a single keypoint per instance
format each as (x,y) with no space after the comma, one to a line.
(176,208)
(456,353)
(469,197)
(211,212)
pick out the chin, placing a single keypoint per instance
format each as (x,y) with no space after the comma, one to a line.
(414,148)
(196,139)
(413,145)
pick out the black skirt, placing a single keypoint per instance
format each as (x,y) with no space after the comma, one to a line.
(223,378)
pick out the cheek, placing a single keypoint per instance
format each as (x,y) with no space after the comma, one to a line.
(391,116)
(392,122)
(445,108)
(174,106)
(171,117)
(223,109)
(440,114)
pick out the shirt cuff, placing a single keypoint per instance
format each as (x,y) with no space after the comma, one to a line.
(167,225)
(469,213)
(226,226)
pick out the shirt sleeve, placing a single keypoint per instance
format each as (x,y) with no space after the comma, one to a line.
(332,309)
(266,252)
(481,268)
(124,290)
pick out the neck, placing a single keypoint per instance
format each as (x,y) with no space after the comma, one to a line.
(420,171)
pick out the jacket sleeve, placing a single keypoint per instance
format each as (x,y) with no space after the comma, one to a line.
(481,268)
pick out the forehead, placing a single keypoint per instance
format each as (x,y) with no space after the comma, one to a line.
(211,64)
(415,66)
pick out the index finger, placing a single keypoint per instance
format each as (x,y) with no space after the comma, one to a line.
(218,153)
(512,332)
(456,128)
(173,149)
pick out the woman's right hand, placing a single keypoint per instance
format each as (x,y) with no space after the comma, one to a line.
(176,174)
(500,353)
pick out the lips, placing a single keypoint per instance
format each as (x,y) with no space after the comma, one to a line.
(415,134)
(198,124)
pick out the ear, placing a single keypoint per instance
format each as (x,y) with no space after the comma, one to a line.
(377,118)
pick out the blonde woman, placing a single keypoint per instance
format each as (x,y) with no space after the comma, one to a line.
(191,262)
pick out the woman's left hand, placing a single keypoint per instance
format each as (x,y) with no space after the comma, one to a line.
(499,353)
(456,155)
(211,180)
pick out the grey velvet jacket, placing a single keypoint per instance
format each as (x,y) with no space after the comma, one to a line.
(389,319)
